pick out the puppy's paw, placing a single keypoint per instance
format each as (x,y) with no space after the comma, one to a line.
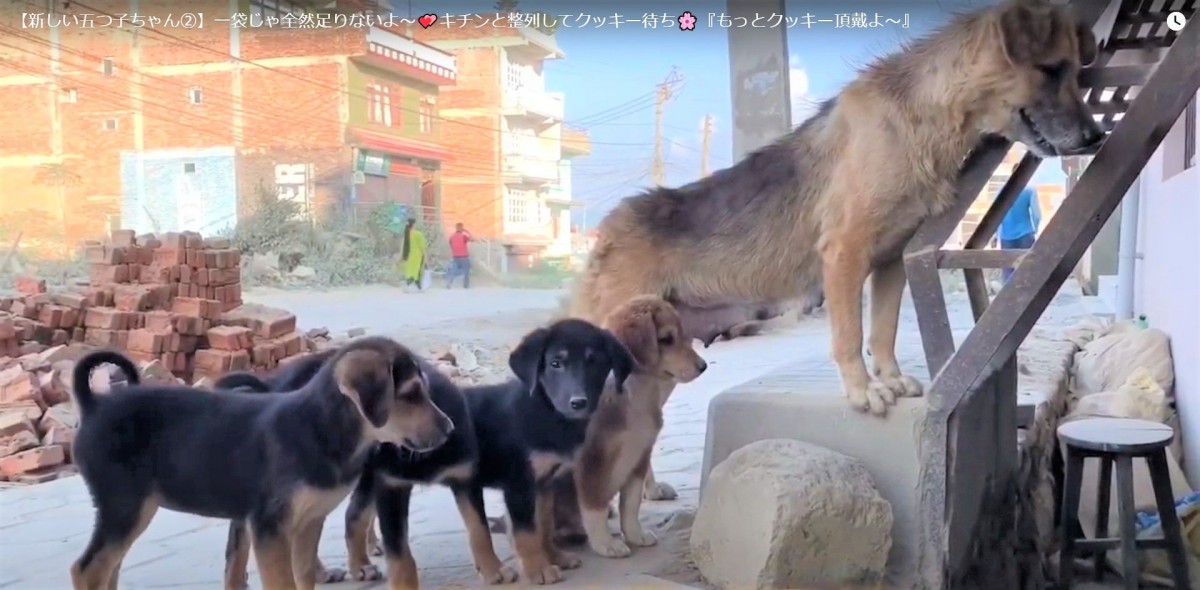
(548,574)
(368,573)
(641,538)
(567,560)
(610,547)
(331,575)
(874,398)
(503,575)
(659,491)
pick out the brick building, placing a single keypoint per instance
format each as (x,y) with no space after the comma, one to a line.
(171,128)
(509,182)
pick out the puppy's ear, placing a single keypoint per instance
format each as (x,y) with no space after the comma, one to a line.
(1087,44)
(526,359)
(622,360)
(639,334)
(365,376)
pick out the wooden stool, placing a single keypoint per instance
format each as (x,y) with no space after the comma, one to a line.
(1119,440)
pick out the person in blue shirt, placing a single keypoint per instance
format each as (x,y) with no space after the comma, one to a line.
(1018,229)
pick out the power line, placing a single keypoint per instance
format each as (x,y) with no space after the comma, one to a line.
(665,89)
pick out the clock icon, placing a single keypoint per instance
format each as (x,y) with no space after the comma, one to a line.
(1175,21)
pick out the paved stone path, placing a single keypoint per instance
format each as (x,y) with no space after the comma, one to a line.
(43,528)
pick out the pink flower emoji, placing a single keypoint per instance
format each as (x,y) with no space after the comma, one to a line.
(687,21)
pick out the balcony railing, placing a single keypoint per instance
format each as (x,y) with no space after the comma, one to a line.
(528,168)
(547,105)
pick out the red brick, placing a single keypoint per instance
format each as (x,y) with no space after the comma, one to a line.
(71,300)
(173,241)
(63,437)
(31,409)
(267,322)
(134,271)
(71,317)
(31,460)
(22,309)
(134,297)
(100,274)
(228,337)
(61,415)
(202,277)
(77,334)
(213,362)
(100,254)
(211,259)
(146,341)
(13,422)
(180,343)
(106,318)
(60,337)
(240,361)
(155,273)
(168,256)
(52,315)
(292,344)
(8,330)
(101,337)
(191,326)
(158,321)
(17,442)
(192,240)
(185,274)
(123,238)
(188,306)
(27,285)
(263,356)
(149,241)
(18,385)
(216,243)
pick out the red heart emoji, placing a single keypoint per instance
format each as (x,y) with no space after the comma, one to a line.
(427,20)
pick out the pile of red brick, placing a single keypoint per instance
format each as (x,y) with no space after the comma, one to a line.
(173,303)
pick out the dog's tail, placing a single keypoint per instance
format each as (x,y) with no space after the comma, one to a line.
(243,380)
(85,398)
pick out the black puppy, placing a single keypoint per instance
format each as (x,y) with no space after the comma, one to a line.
(527,431)
(281,462)
(395,467)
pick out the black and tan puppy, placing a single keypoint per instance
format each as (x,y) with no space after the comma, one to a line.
(531,430)
(280,462)
(528,431)
(387,481)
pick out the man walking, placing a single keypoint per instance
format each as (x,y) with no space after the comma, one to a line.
(461,264)
(1018,229)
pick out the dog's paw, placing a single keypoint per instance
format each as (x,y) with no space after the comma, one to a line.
(659,491)
(567,560)
(610,547)
(504,575)
(903,386)
(549,574)
(368,573)
(641,538)
(330,575)
(874,398)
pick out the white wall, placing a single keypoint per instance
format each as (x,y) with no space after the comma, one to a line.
(1168,277)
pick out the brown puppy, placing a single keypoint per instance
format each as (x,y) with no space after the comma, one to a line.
(801,213)
(615,458)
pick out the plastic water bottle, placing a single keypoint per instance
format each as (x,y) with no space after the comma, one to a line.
(1142,323)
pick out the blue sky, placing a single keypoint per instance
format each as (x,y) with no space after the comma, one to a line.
(609,75)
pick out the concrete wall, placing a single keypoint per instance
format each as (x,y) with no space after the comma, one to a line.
(758,72)
(1168,276)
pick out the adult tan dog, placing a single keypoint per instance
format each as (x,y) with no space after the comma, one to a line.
(837,199)
(615,458)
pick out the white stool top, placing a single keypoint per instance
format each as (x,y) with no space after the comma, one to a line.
(1116,435)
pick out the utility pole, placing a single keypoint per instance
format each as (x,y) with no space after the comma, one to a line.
(666,91)
(704,145)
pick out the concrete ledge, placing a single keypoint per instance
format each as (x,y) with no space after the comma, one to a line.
(803,401)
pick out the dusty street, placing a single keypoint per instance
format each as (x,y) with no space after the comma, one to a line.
(44,527)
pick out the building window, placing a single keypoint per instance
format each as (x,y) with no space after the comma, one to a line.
(427,108)
(110,124)
(517,206)
(69,95)
(1189,134)
(379,105)
(106,67)
(195,95)
(189,167)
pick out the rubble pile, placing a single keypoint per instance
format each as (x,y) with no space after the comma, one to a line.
(172,303)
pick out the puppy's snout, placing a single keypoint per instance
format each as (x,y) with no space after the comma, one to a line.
(1093,136)
(578,403)
(701,366)
(446,425)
